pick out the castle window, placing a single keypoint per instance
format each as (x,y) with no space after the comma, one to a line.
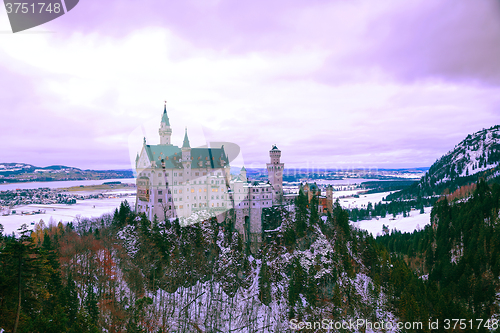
(160,200)
(192,190)
(169,199)
(175,174)
(212,197)
(175,199)
(175,191)
(254,203)
(199,190)
(204,190)
(180,191)
(222,204)
(196,173)
(180,207)
(160,192)
(180,174)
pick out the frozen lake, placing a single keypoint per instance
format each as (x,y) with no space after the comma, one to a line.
(62,184)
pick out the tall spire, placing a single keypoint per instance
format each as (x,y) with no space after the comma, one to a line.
(164,118)
(185,144)
(165,131)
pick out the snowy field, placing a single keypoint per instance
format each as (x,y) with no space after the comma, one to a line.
(360,202)
(61,212)
(404,224)
(413,222)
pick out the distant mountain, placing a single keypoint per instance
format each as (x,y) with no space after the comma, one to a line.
(22,172)
(477,156)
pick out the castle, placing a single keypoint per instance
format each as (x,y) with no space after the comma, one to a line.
(195,183)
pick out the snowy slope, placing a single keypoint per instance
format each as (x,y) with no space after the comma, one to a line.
(477,152)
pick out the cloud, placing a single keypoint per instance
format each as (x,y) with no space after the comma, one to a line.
(417,41)
(352,83)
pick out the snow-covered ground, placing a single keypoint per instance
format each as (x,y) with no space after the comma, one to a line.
(61,212)
(360,202)
(404,224)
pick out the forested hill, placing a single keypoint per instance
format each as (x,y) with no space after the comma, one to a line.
(22,172)
(459,257)
(477,156)
(122,273)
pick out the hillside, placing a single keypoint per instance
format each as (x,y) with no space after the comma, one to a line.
(125,273)
(477,156)
(22,172)
(122,272)
(458,255)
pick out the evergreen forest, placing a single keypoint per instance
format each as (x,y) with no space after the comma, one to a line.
(124,273)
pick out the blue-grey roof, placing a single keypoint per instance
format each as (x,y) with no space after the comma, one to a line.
(164,118)
(185,143)
(201,158)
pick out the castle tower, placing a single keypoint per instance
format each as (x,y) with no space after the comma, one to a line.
(165,131)
(243,174)
(186,151)
(275,171)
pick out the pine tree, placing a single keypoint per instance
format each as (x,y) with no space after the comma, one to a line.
(264,283)
(301,213)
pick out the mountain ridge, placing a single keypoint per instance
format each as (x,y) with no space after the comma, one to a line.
(476,156)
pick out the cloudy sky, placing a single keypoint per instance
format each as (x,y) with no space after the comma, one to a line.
(339,83)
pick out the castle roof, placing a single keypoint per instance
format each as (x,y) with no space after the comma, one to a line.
(201,158)
(164,118)
(185,143)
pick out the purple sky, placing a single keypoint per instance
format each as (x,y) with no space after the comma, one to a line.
(340,84)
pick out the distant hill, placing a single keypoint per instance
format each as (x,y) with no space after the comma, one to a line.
(22,172)
(477,156)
